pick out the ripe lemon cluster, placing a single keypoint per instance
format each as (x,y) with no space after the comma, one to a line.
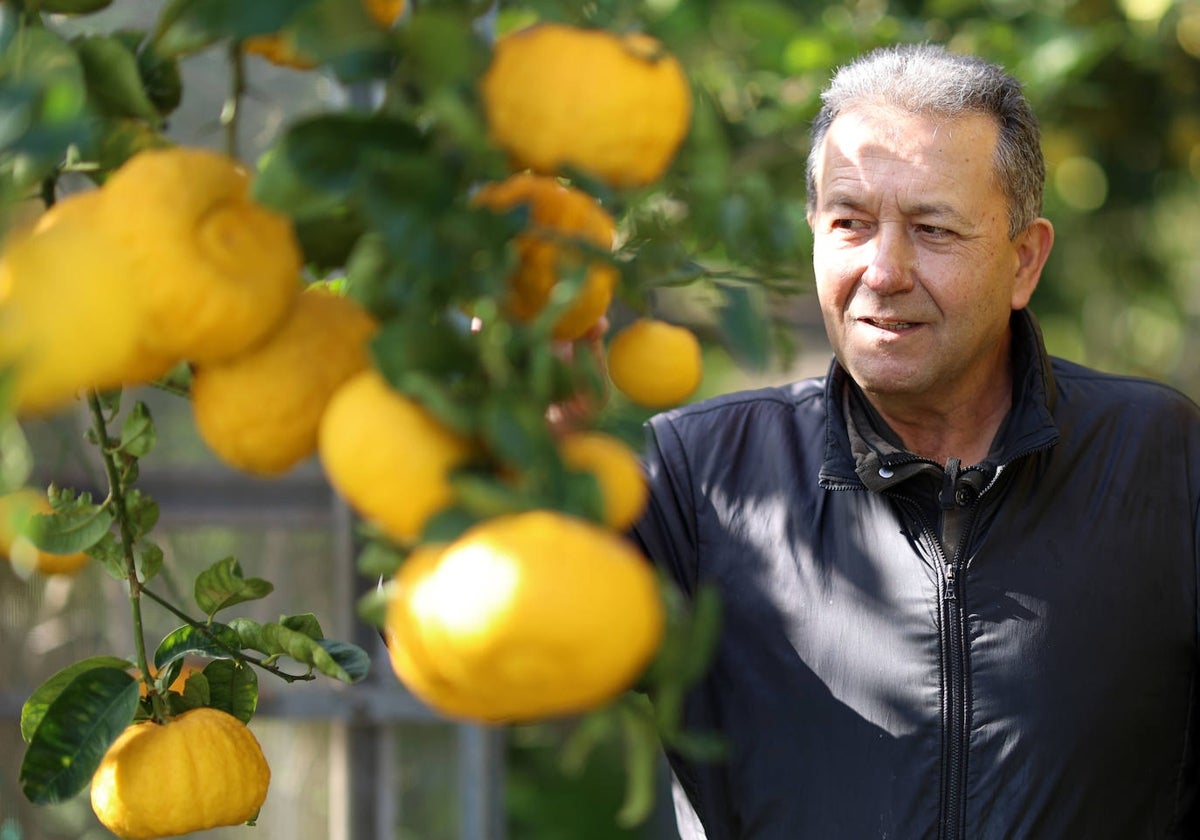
(540,614)
(169,260)
(559,99)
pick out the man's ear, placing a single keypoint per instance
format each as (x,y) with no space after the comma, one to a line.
(1033,249)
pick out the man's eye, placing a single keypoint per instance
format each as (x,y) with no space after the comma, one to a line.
(934,230)
(848,224)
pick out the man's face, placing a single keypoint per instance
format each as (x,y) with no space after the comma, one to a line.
(916,274)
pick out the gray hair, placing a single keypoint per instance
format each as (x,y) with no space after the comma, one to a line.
(927,79)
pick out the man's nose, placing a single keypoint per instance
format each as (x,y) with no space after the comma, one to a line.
(892,264)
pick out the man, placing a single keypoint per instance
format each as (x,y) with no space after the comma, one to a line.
(959,577)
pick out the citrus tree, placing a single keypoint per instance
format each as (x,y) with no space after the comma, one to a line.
(422,295)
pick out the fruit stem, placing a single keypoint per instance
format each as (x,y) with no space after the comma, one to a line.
(116,491)
(212,637)
(233,104)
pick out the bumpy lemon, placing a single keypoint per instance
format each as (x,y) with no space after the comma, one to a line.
(70,316)
(617,470)
(557,215)
(526,616)
(16,508)
(259,411)
(654,363)
(617,107)
(200,770)
(217,271)
(387,456)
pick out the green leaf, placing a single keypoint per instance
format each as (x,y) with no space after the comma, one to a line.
(641,764)
(35,707)
(232,688)
(221,585)
(352,659)
(76,528)
(113,79)
(372,607)
(72,7)
(328,152)
(250,634)
(137,432)
(149,559)
(305,623)
(379,559)
(216,641)
(339,660)
(196,691)
(142,512)
(303,649)
(77,729)
(744,325)
(186,26)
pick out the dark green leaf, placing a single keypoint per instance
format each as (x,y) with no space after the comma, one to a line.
(75,529)
(196,691)
(222,585)
(353,660)
(232,688)
(35,707)
(77,729)
(216,641)
(328,152)
(137,432)
(113,79)
(185,26)
(72,7)
(744,325)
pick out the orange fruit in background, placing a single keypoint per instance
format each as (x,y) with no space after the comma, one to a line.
(203,769)
(558,214)
(614,106)
(655,364)
(525,616)
(259,411)
(387,456)
(617,470)
(16,508)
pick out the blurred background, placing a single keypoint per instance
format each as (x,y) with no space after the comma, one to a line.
(1116,84)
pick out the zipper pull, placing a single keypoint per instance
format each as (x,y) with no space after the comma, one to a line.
(951,582)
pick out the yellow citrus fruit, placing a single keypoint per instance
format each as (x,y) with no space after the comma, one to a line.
(654,363)
(557,214)
(525,616)
(384,12)
(217,271)
(16,508)
(259,411)
(614,106)
(69,316)
(617,470)
(387,456)
(200,770)
(279,48)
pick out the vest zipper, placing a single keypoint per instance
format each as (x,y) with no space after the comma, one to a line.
(954,707)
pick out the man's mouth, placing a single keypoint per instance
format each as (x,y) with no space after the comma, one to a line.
(888,324)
